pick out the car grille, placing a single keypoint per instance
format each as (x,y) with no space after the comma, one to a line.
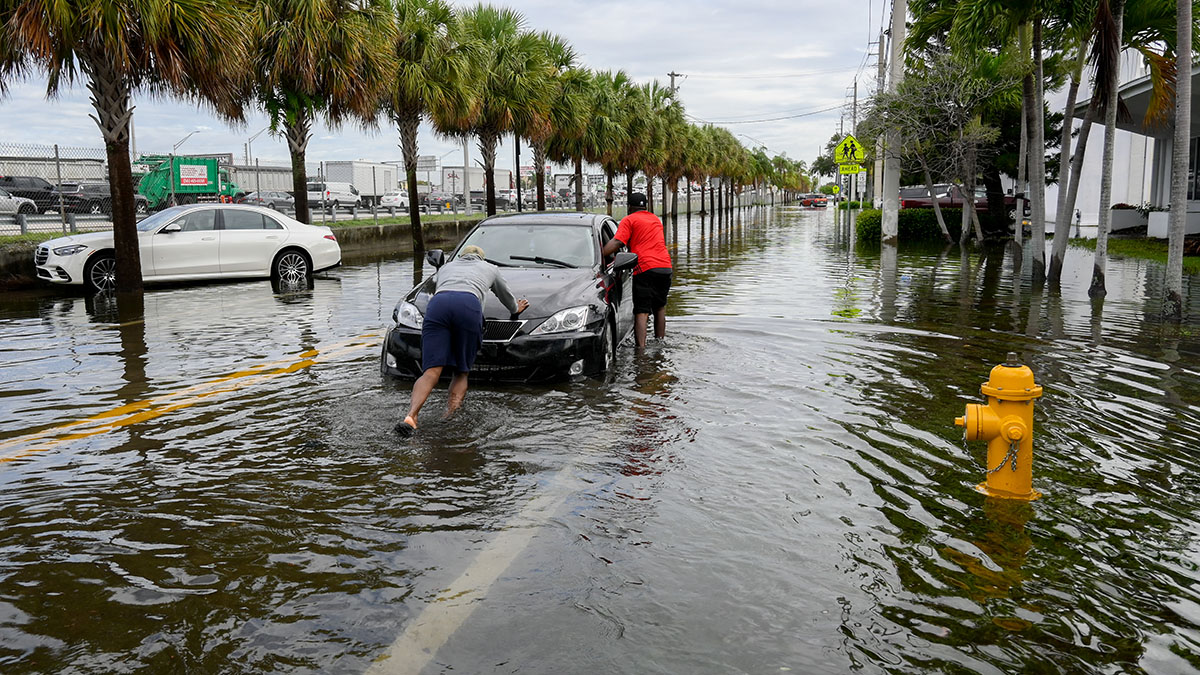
(500,331)
(41,255)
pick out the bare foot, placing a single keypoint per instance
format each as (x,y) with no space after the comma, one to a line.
(407,427)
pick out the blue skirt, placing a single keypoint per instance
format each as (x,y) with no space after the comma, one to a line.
(452,332)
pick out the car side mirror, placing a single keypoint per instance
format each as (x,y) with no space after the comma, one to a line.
(171,228)
(624,260)
(436,257)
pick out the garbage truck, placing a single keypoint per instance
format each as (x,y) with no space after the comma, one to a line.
(169,180)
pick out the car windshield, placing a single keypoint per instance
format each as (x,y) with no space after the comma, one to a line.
(513,245)
(161,218)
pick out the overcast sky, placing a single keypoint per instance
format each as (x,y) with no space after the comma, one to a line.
(741,62)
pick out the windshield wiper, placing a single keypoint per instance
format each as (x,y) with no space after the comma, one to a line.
(497,263)
(544,261)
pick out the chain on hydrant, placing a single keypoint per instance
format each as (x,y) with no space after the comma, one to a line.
(1006,423)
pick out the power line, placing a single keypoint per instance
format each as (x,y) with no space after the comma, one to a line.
(771,119)
(774,76)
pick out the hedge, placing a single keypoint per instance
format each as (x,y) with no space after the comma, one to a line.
(914,225)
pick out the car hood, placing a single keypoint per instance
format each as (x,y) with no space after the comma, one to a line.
(547,290)
(91,239)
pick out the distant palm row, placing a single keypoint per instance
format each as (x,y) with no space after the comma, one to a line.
(475,73)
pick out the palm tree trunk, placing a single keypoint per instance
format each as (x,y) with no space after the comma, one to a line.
(1023,153)
(712,197)
(297,134)
(628,183)
(1062,213)
(1085,131)
(579,184)
(649,194)
(539,169)
(608,190)
(110,98)
(664,197)
(487,148)
(675,200)
(1037,161)
(408,123)
(1100,265)
(1173,305)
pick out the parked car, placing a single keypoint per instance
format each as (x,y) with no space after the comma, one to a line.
(276,200)
(394,200)
(580,305)
(949,196)
(13,204)
(332,195)
(93,198)
(194,242)
(38,190)
(440,202)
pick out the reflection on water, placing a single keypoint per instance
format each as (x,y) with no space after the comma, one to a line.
(777,485)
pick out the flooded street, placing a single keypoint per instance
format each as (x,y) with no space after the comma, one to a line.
(209,482)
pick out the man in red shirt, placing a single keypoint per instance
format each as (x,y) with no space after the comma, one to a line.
(642,232)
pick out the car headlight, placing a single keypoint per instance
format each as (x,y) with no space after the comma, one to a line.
(407,314)
(564,321)
(70,250)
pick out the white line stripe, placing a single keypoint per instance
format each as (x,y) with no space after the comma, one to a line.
(429,630)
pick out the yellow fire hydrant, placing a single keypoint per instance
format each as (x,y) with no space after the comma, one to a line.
(1006,423)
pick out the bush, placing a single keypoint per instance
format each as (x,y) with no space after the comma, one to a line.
(851,205)
(914,225)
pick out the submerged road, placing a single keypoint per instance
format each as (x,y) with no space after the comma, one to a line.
(208,482)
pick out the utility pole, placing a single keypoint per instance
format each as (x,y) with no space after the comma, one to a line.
(674,75)
(891,168)
(854,132)
(878,173)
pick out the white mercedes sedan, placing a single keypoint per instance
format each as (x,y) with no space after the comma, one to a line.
(196,242)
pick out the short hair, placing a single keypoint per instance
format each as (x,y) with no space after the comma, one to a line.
(472,250)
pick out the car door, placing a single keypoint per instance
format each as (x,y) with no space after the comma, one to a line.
(194,250)
(249,240)
(8,204)
(621,294)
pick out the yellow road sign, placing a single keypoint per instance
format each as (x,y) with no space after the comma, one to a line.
(849,151)
(836,189)
(847,169)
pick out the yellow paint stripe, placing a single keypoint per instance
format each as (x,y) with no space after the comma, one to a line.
(141,411)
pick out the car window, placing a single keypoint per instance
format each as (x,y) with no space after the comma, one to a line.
(4,194)
(197,221)
(573,245)
(242,220)
(316,187)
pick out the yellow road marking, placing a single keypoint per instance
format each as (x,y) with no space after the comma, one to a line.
(141,411)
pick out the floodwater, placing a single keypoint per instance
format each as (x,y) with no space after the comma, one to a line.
(209,482)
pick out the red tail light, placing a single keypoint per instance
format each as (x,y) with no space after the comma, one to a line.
(330,237)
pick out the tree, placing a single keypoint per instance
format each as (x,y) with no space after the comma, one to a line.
(193,49)
(1173,305)
(515,83)
(568,84)
(1108,47)
(432,81)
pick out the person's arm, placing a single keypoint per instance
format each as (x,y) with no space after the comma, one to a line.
(621,238)
(500,288)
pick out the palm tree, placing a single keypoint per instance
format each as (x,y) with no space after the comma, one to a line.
(515,83)
(1108,44)
(432,81)
(566,109)
(194,49)
(314,57)
(1173,306)
(613,88)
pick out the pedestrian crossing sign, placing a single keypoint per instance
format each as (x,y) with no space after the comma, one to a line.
(847,169)
(849,151)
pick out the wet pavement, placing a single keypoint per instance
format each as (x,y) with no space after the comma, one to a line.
(208,482)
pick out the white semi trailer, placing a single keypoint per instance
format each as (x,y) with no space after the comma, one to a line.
(371,179)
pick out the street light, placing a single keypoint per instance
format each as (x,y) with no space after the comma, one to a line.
(176,146)
(251,140)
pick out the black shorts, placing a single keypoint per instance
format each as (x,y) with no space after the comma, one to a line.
(650,290)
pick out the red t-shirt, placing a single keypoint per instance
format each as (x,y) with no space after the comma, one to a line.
(642,232)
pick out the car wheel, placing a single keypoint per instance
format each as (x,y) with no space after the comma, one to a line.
(100,273)
(272,206)
(26,209)
(333,206)
(141,207)
(95,208)
(292,267)
(608,342)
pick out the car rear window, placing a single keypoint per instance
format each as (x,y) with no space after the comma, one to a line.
(243,220)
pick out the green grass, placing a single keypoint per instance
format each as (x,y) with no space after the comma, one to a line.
(31,238)
(1146,249)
